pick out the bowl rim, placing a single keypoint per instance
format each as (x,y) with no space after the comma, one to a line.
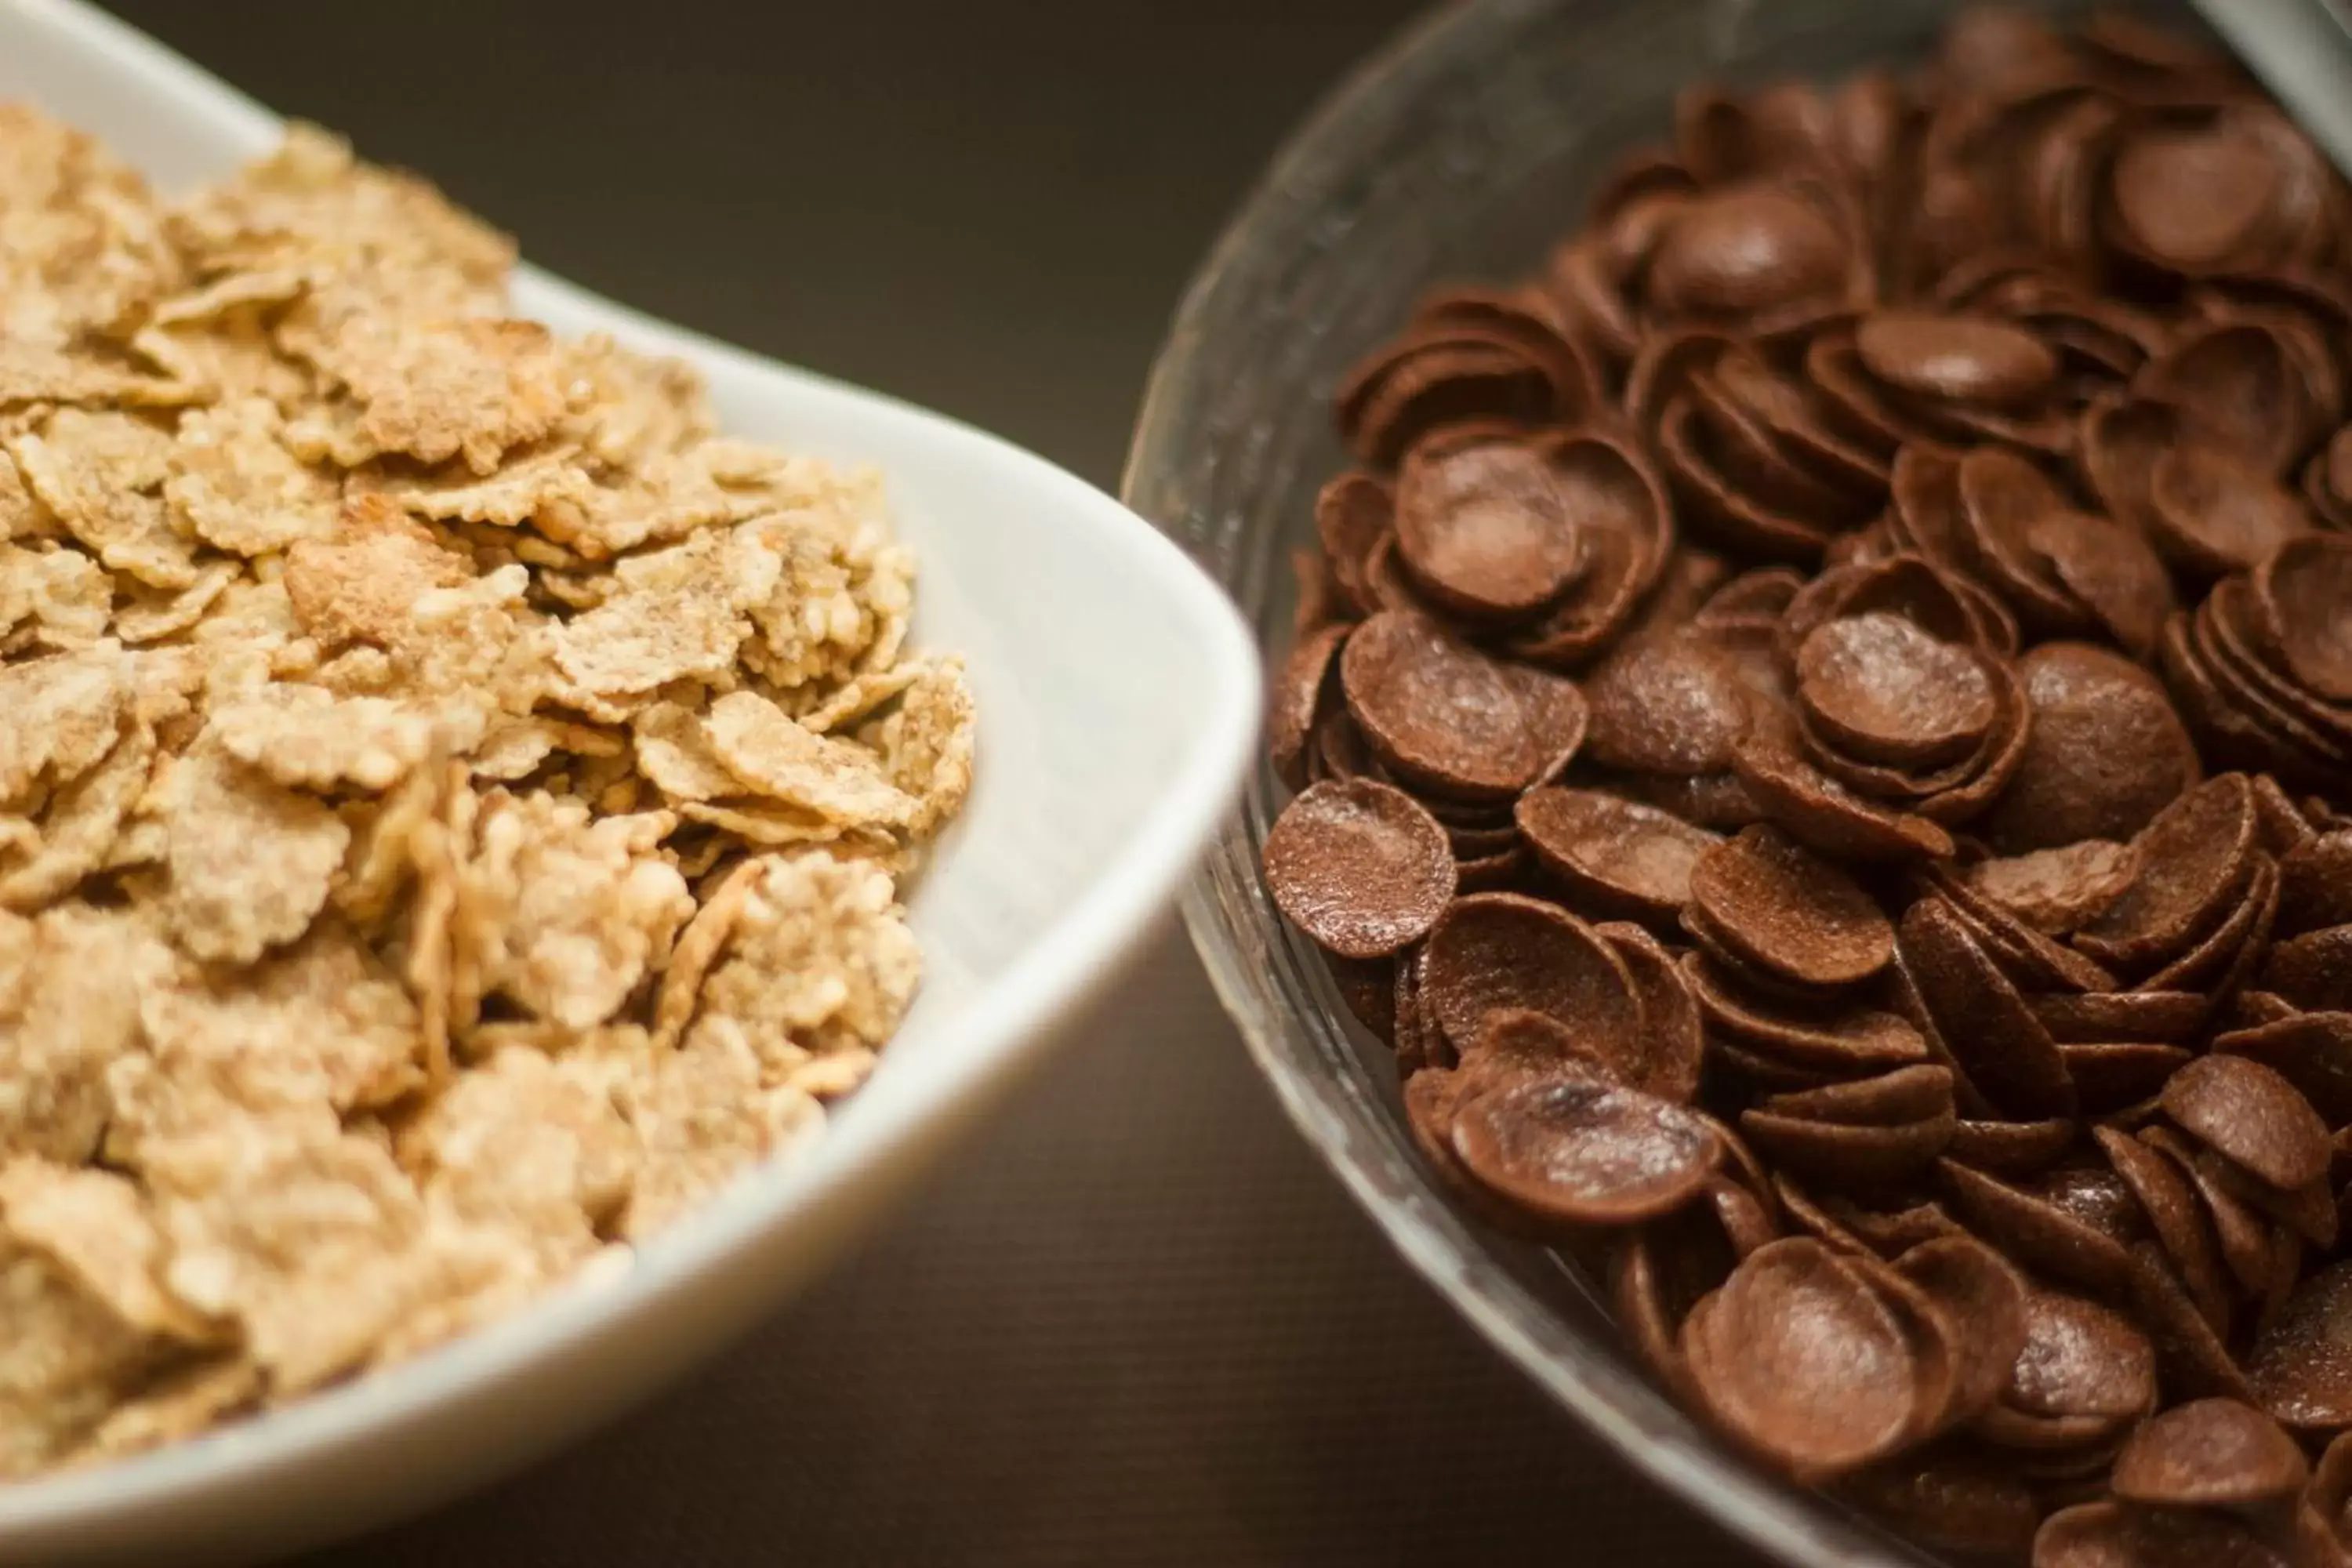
(1004,1025)
(1637,1421)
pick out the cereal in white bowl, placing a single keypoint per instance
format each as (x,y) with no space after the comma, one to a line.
(453,803)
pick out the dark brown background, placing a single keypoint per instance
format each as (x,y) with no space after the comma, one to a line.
(1134,1323)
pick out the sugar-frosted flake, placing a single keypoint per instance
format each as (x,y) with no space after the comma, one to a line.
(513,749)
(629,408)
(434,391)
(445,982)
(314,1245)
(569,914)
(307,738)
(75,1012)
(927,743)
(179,1405)
(226,359)
(71,595)
(234,485)
(524,485)
(676,614)
(773,826)
(64,1359)
(144,614)
(528,1144)
(702,1115)
(21,516)
(310,198)
(249,860)
(674,754)
(382,856)
(229,293)
(316,1057)
(97,471)
(59,716)
(362,584)
(56,596)
(853,699)
(774,756)
(95,1228)
(821,959)
(34,373)
(78,831)
(672,495)
(698,947)
(321,1025)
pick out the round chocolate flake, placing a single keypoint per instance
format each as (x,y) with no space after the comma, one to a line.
(1887,691)
(1674,705)
(2194,857)
(1486,528)
(2104,751)
(1584,1153)
(2119,1535)
(1959,358)
(2247,1112)
(1360,867)
(1780,907)
(2057,890)
(2209,1453)
(1616,856)
(2300,593)
(1829,721)
(1800,1359)
(2301,1365)
(1502,950)
(1446,717)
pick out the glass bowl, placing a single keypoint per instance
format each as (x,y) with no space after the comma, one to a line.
(1458,154)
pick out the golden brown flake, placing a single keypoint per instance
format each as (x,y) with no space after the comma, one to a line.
(775,757)
(233,483)
(568,912)
(99,473)
(360,649)
(821,959)
(250,860)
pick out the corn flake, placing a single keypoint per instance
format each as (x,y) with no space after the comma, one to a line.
(521,488)
(306,737)
(77,832)
(58,717)
(450,798)
(675,613)
(313,1245)
(94,1227)
(98,472)
(821,959)
(233,484)
(834,779)
(250,860)
(569,914)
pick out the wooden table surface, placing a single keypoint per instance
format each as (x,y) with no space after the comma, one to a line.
(1133,1322)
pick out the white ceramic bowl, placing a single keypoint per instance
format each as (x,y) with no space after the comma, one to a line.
(1118,702)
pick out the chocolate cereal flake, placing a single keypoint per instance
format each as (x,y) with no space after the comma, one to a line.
(1360,867)
(1850,676)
